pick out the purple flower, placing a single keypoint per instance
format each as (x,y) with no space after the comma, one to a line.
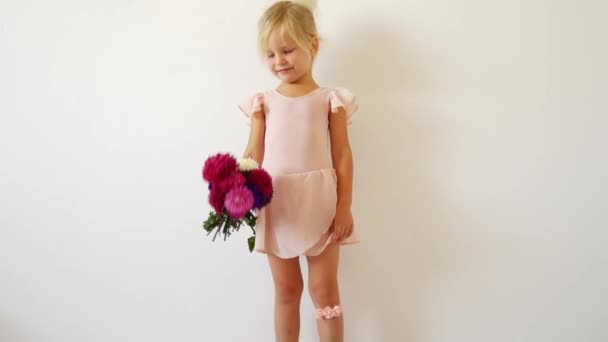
(261,181)
(259,199)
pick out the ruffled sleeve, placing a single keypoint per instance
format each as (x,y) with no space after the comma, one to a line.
(342,97)
(250,105)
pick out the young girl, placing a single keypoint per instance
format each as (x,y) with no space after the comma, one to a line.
(298,132)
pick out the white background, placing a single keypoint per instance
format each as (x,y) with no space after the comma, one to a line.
(480,170)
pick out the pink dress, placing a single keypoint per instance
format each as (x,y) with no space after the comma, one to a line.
(298,157)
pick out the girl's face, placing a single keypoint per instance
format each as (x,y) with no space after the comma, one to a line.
(287,60)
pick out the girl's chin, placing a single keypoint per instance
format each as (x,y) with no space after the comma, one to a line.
(288,78)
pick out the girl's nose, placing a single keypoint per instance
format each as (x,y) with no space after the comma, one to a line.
(279,60)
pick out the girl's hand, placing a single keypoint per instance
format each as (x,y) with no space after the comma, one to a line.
(342,225)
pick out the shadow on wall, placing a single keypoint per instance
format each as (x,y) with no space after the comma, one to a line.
(404,224)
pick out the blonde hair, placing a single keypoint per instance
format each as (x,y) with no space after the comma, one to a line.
(292,18)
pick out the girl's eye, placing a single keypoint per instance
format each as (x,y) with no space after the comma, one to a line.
(270,56)
(288,51)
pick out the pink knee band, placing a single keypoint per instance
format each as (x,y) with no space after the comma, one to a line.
(329,313)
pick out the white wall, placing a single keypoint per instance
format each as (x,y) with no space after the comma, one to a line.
(480,181)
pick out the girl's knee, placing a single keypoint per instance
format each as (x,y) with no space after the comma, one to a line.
(289,291)
(324,293)
(326,298)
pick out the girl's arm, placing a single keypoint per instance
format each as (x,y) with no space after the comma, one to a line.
(342,225)
(255,145)
(342,157)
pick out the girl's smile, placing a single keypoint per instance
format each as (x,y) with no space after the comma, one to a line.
(285,70)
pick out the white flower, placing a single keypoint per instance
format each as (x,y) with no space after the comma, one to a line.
(248,164)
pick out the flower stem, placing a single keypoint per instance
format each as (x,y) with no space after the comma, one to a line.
(218,228)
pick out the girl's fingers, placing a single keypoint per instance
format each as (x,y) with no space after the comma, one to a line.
(341,233)
(347,232)
(337,233)
(344,233)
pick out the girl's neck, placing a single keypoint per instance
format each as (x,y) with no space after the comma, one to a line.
(299,87)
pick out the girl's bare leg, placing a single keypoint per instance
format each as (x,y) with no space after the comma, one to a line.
(324,291)
(288,285)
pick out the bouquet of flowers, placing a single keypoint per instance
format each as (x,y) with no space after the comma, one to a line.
(237,189)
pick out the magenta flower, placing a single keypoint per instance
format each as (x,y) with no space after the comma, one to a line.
(230,181)
(216,199)
(261,181)
(218,167)
(239,200)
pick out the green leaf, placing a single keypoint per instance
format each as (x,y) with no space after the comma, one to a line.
(251,243)
(250,219)
(209,225)
(212,222)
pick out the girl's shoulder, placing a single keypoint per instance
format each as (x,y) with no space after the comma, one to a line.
(341,97)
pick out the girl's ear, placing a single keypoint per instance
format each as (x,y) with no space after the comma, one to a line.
(314,46)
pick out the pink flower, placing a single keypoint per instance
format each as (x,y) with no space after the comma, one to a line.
(217,195)
(218,167)
(239,200)
(328,313)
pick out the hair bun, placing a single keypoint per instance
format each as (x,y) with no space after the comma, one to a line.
(310,4)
